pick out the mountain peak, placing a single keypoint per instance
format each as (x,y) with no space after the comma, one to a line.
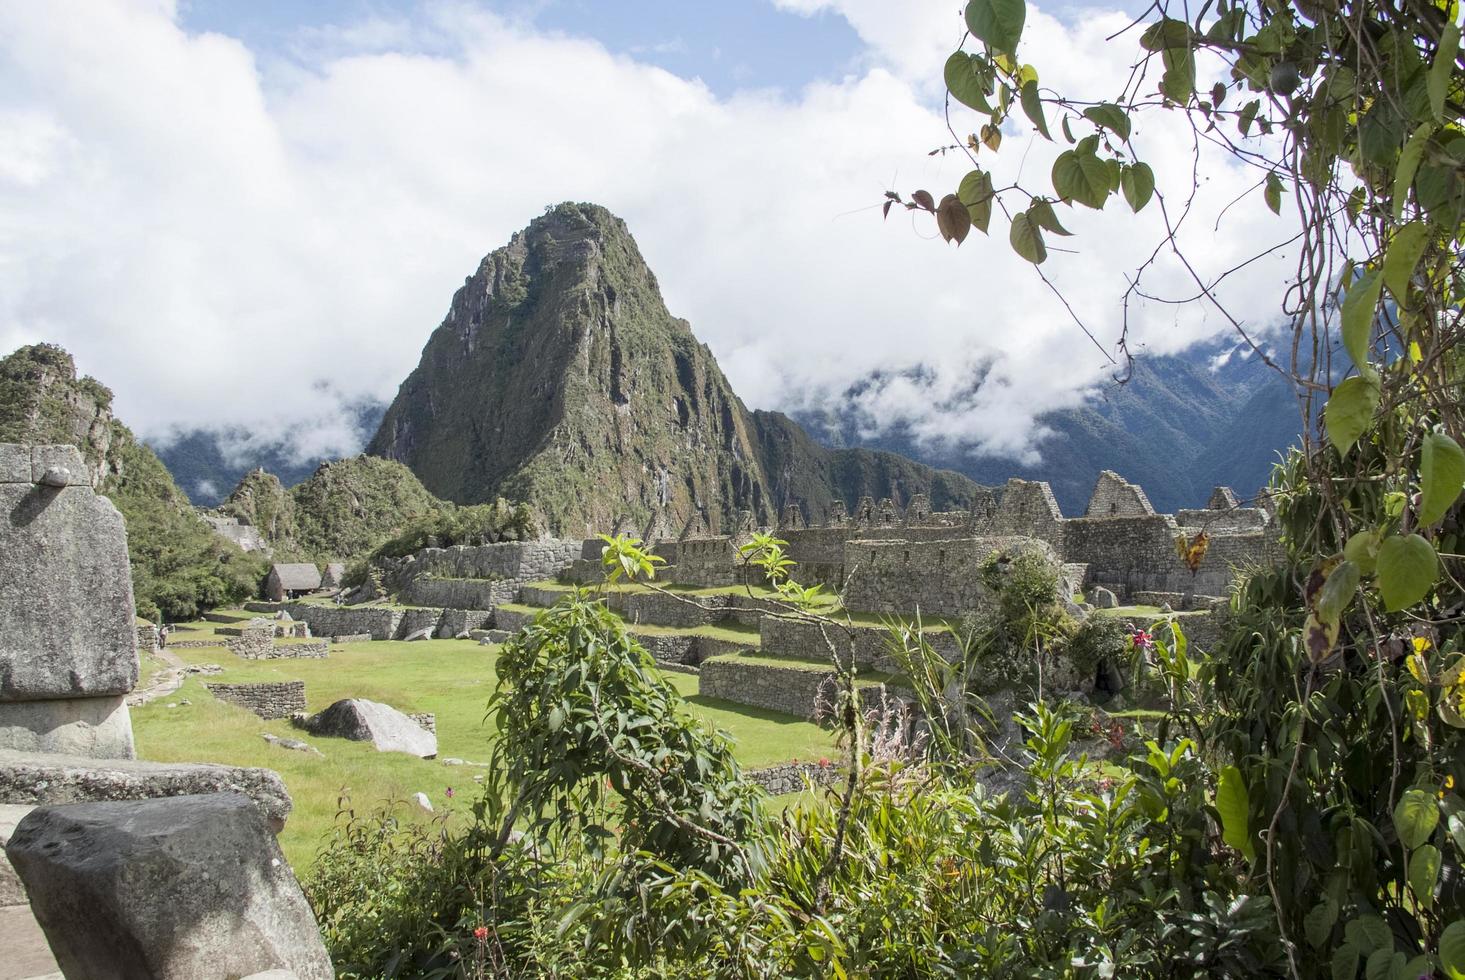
(559,377)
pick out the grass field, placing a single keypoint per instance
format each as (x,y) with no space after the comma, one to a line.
(451,678)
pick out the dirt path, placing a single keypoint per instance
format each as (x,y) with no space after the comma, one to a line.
(165,682)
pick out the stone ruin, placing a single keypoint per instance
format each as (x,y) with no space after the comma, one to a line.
(886,560)
(121,867)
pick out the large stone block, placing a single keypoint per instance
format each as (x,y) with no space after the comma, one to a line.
(186,888)
(36,779)
(65,595)
(97,727)
(15,463)
(62,464)
(386,728)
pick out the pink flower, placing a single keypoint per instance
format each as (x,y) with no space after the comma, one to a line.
(824,763)
(481,932)
(449,793)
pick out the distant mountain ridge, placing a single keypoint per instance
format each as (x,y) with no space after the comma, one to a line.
(207,472)
(1178,427)
(559,378)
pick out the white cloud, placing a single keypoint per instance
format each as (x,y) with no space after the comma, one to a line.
(230,245)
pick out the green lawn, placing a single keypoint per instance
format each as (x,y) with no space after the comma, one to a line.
(451,678)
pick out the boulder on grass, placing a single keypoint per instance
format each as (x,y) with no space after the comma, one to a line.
(184,888)
(1104,599)
(386,728)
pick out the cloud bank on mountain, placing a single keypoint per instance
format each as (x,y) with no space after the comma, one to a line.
(261,243)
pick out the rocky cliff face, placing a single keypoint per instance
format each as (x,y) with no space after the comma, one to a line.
(560,378)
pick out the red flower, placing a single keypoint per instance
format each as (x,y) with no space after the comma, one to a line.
(481,932)
(824,763)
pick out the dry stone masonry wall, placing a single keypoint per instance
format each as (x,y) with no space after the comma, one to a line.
(278,700)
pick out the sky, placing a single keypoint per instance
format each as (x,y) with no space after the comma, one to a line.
(249,216)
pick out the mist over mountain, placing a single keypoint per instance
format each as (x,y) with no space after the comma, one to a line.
(208,464)
(1181,425)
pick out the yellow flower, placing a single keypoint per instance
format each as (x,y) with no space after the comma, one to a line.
(1421,644)
(1449,782)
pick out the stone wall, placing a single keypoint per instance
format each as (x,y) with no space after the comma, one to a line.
(295,650)
(706,562)
(147,639)
(426,719)
(781,637)
(278,700)
(380,621)
(940,578)
(252,643)
(792,777)
(417,620)
(512,620)
(456,622)
(352,638)
(521,561)
(791,690)
(459,593)
(1115,496)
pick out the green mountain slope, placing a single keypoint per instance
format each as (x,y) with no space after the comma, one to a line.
(559,378)
(345,510)
(179,566)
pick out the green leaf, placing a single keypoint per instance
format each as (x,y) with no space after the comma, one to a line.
(1081,176)
(1248,115)
(1350,411)
(975,192)
(1441,477)
(1402,256)
(1067,132)
(1273,193)
(1164,34)
(1319,922)
(1235,810)
(1362,550)
(1345,962)
(1033,106)
(1381,964)
(1042,214)
(1337,592)
(1415,817)
(1443,69)
(1111,117)
(1178,82)
(1424,871)
(1452,950)
(1138,184)
(1358,310)
(1369,933)
(1409,158)
(964,82)
(1408,568)
(998,23)
(1026,239)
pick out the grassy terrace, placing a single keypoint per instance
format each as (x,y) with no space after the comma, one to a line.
(866,676)
(829,606)
(451,678)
